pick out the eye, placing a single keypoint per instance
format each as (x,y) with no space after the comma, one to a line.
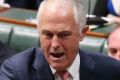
(47,34)
(64,34)
(113,51)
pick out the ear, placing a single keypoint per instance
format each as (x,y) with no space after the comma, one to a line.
(83,33)
(85,30)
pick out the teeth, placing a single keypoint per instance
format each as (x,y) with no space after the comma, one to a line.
(57,55)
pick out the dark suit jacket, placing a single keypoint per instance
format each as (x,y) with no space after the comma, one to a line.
(5,52)
(27,4)
(101,8)
(31,65)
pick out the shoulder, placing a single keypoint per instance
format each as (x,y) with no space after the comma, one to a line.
(25,56)
(100,64)
(23,59)
(104,62)
(20,64)
(99,59)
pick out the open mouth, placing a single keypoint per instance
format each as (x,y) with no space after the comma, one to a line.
(57,55)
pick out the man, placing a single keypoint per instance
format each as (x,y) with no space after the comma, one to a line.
(61,25)
(113,44)
(109,8)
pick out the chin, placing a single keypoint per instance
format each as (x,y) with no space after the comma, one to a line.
(58,66)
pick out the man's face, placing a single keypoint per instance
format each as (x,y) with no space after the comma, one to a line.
(60,42)
(114,46)
(59,36)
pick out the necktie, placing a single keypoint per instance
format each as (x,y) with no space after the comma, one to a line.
(63,74)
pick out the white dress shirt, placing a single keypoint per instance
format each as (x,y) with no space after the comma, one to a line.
(73,70)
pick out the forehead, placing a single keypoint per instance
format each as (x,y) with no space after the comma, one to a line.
(57,10)
(57,16)
(55,24)
(115,36)
(114,39)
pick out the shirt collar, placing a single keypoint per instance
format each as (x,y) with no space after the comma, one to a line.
(73,69)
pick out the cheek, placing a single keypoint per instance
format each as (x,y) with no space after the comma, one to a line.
(71,45)
(45,44)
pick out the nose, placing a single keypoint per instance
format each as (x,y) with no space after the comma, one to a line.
(55,44)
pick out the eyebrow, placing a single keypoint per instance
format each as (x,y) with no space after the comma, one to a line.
(65,32)
(59,32)
(46,31)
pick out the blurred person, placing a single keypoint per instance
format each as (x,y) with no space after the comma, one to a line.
(108,8)
(61,25)
(113,44)
(27,4)
(2,4)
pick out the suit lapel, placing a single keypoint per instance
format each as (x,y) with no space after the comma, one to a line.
(87,66)
(42,69)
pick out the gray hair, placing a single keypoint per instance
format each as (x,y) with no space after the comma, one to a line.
(40,11)
(79,13)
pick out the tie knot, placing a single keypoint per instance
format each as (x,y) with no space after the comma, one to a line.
(63,74)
